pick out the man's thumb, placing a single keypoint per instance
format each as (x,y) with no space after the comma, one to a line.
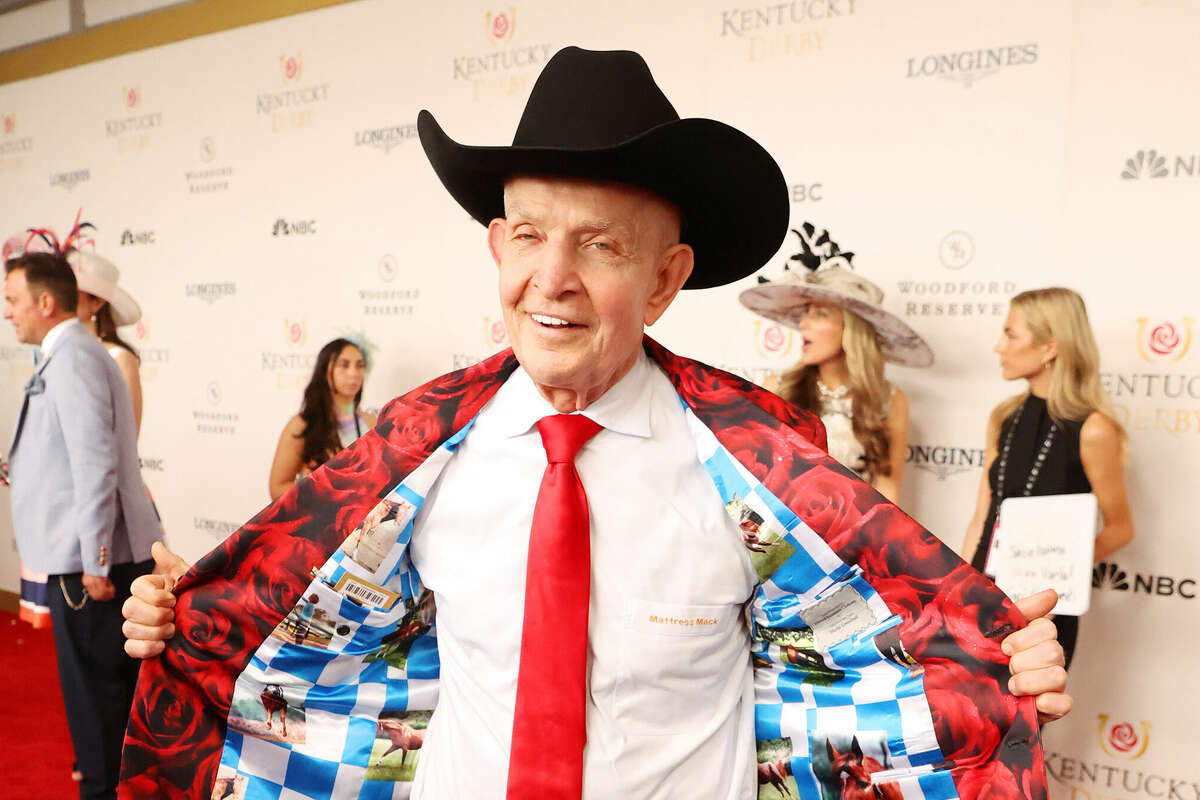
(169,564)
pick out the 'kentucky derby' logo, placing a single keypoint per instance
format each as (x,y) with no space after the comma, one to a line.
(1145,164)
(1166,341)
(295,332)
(772,340)
(1123,739)
(11,144)
(494,333)
(291,67)
(501,25)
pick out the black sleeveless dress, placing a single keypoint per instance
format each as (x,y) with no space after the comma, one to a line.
(1061,473)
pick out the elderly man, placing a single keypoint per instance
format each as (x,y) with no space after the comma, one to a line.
(571,509)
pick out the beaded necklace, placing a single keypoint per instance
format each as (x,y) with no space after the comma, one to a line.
(1038,462)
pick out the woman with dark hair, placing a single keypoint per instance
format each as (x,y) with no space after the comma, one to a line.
(104,307)
(330,417)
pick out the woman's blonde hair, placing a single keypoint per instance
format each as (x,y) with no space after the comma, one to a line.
(870,392)
(1075,392)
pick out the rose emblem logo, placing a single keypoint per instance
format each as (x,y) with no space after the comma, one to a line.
(497,333)
(133,97)
(771,340)
(140,331)
(500,26)
(10,123)
(291,66)
(1165,341)
(295,332)
(1123,739)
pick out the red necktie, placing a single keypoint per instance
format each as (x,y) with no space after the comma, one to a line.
(546,757)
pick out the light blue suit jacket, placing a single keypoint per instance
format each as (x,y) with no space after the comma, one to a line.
(78,500)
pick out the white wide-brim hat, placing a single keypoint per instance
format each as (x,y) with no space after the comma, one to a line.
(783,301)
(98,276)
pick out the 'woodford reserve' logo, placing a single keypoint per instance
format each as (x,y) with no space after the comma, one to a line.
(208,179)
(956,250)
(291,108)
(778,30)
(1167,341)
(772,340)
(217,423)
(1123,739)
(969,66)
(1153,164)
(131,131)
(501,72)
(379,301)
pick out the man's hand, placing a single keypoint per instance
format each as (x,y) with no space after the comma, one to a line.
(149,611)
(98,587)
(1036,658)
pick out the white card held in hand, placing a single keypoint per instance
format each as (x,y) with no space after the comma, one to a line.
(1046,543)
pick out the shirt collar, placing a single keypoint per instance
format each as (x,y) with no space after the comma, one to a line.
(624,408)
(54,335)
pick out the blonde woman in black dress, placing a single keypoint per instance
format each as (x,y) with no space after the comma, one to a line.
(1059,436)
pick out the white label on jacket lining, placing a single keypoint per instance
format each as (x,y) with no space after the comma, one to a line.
(838,616)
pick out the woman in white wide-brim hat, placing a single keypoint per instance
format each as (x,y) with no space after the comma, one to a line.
(847,335)
(103,307)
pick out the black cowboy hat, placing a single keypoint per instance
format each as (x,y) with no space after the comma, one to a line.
(601,116)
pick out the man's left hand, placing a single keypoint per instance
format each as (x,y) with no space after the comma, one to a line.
(98,587)
(1036,658)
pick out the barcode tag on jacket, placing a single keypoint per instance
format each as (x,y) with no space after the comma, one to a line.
(364,592)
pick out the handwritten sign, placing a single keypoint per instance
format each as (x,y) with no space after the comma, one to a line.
(1047,543)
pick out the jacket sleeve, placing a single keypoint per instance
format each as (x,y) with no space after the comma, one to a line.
(84,403)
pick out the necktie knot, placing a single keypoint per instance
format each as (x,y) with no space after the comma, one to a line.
(564,434)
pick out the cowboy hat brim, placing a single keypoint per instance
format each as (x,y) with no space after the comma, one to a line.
(784,303)
(731,193)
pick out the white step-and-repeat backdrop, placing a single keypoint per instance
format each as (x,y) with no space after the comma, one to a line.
(263,191)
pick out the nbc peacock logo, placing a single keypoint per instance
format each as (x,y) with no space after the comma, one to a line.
(1145,164)
(1109,576)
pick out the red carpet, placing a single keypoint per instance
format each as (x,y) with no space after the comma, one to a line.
(36,757)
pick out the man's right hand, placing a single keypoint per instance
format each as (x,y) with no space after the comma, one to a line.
(149,612)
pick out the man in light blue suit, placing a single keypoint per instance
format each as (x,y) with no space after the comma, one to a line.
(80,510)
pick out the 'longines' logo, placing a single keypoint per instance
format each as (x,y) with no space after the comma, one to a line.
(944,461)
(301,227)
(1106,575)
(210,292)
(969,66)
(1123,739)
(772,340)
(69,180)
(956,250)
(385,138)
(1167,341)
(129,237)
(501,25)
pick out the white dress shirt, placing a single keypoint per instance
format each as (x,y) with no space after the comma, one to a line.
(670,706)
(54,334)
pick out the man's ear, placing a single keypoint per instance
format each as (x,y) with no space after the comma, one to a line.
(674,268)
(497,233)
(46,305)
